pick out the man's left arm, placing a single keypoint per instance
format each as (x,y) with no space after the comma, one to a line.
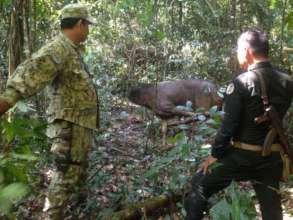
(231,121)
(229,126)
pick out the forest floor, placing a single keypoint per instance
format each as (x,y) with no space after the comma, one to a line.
(125,144)
(123,151)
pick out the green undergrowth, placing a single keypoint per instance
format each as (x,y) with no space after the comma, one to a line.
(22,151)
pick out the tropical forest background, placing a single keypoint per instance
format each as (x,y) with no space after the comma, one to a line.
(135,41)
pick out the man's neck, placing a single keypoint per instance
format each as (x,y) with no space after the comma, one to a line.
(259,60)
(71,36)
(256,60)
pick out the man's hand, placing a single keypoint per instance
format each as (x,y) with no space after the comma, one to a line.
(205,165)
(4,106)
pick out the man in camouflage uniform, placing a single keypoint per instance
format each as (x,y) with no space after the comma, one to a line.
(72,112)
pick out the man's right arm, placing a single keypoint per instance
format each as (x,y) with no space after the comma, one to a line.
(29,78)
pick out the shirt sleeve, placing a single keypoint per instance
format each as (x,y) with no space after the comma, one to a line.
(30,77)
(232,113)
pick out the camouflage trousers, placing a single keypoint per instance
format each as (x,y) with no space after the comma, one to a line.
(70,146)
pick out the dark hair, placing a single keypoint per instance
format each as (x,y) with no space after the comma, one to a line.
(68,23)
(257,41)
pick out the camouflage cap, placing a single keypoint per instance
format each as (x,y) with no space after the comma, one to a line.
(77,11)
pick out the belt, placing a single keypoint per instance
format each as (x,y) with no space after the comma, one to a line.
(287,164)
(252,147)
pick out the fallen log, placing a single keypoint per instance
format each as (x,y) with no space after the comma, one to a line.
(146,208)
(180,122)
(195,118)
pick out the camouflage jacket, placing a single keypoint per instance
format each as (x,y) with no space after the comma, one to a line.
(70,90)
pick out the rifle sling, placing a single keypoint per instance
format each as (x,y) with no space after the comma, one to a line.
(263,91)
(272,132)
(278,129)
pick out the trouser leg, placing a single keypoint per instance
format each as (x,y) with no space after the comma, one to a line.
(270,201)
(70,146)
(60,190)
(204,186)
(239,165)
(195,202)
(267,191)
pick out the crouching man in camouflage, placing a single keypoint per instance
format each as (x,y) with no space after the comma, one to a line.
(72,112)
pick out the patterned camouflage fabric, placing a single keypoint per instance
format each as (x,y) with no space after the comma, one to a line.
(76,11)
(72,112)
(71,92)
(71,163)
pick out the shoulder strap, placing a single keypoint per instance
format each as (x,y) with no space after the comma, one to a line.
(264,95)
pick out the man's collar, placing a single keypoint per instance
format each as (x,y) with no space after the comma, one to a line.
(259,65)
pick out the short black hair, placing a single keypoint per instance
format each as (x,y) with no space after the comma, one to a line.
(257,40)
(68,23)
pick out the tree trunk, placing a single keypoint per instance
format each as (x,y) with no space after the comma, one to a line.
(16,36)
(34,14)
(172,20)
(241,15)
(156,10)
(232,14)
(283,25)
(181,29)
(27,29)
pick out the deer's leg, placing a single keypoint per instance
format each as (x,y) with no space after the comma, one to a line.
(164,131)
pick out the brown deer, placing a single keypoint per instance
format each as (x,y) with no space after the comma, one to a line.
(163,98)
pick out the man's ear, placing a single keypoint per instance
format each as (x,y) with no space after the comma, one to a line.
(249,54)
(79,23)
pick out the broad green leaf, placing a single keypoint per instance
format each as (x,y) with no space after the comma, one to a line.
(211,122)
(184,127)
(235,208)
(177,138)
(12,194)
(16,172)
(221,211)
(273,4)
(214,165)
(213,110)
(28,157)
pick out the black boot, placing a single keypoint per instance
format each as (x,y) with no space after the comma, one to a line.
(195,205)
